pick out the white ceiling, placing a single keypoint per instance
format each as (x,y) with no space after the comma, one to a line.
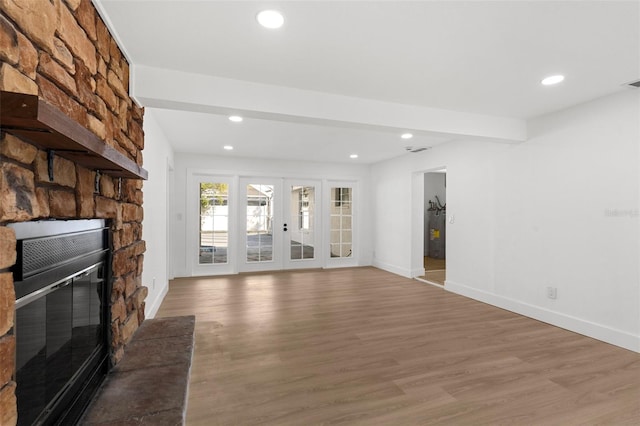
(206,133)
(477,57)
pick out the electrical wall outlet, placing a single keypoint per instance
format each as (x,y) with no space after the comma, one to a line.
(552,292)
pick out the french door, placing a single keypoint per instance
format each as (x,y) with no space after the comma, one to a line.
(260,213)
(215,240)
(279,224)
(302,227)
(243,224)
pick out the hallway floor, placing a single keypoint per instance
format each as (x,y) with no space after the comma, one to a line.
(435,270)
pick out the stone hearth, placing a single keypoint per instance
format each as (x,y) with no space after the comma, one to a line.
(61,51)
(160,351)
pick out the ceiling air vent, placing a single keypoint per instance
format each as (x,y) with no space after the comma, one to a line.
(416,149)
(635,84)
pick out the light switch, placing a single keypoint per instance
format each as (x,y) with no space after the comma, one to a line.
(452,218)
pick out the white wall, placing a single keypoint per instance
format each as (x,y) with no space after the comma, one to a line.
(560,209)
(158,159)
(185,163)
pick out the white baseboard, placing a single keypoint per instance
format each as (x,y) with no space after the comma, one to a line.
(392,268)
(152,308)
(597,331)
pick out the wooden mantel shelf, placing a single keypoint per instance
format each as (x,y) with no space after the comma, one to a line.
(35,120)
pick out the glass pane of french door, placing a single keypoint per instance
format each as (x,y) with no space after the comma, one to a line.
(341,234)
(214,223)
(259,222)
(302,226)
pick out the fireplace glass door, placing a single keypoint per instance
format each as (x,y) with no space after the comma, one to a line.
(59,331)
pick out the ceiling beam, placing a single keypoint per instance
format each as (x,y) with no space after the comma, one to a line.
(170,89)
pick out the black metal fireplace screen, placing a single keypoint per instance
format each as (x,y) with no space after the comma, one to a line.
(62,285)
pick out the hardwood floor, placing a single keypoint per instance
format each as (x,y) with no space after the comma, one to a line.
(363,346)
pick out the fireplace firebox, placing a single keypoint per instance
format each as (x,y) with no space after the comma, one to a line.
(62,284)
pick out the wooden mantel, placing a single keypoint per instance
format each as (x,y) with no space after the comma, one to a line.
(35,120)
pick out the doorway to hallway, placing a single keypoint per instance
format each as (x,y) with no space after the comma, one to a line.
(435,213)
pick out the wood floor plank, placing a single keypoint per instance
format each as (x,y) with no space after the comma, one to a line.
(363,346)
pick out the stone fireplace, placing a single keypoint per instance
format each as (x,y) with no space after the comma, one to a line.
(61,54)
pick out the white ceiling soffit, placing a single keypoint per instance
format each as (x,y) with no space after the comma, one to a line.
(437,68)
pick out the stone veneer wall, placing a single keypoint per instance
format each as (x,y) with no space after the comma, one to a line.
(62,51)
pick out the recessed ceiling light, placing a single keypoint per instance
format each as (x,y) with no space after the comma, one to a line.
(270,19)
(235,118)
(353,156)
(406,136)
(552,79)
(228,147)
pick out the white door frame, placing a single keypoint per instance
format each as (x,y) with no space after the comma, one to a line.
(193,226)
(417,217)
